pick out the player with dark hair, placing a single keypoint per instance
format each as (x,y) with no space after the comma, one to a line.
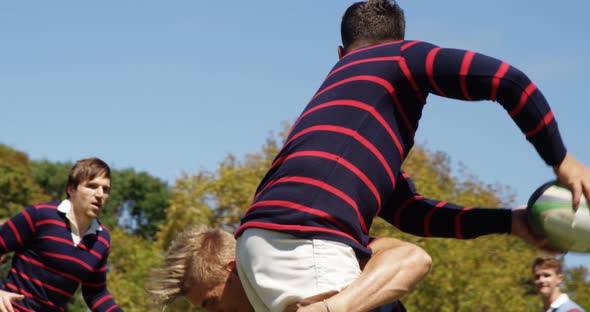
(59,246)
(340,166)
(548,277)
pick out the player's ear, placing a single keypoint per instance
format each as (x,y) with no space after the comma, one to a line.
(69,189)
(341,52)
(231,265)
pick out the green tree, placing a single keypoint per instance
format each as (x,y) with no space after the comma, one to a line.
(138,202)
(130,262)
(17,186)
(51,177)
(219,198)
(577,285)
(188,205)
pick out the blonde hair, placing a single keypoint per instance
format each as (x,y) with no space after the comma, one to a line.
(198,257)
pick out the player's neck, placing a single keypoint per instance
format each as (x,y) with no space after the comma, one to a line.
(547,301)
(81,224)
(361,43)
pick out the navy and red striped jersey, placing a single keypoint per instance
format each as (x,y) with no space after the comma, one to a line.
(48,268)
(340,166)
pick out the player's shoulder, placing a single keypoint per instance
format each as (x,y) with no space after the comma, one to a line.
(104,233)
(46,205)
(43,210)
(571,306)
(416,46)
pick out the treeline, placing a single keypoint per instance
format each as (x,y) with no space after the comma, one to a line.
(144,213)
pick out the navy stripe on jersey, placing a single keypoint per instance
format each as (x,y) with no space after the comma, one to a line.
(47,268)
(341,164)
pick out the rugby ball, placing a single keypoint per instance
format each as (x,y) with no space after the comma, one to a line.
(551,216)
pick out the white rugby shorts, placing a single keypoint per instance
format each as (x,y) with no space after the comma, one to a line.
(277,269)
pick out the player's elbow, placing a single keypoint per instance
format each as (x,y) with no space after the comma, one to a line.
(419,260)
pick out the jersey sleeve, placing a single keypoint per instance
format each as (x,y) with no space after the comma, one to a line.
(471,76)
(18,231)
(411,213)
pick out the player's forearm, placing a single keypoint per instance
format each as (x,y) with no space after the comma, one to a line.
(392,271)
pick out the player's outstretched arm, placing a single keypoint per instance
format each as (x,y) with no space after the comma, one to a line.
(575,176)
(6,299)
(394,268)
(521,229)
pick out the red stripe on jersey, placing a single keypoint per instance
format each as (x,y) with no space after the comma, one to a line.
(111,309)
(45,206)
(30,295)
(546,120)
(406,70)
(41,265)
(20,307)
(428,218)
(3,243)
(363,106)
(49,221)
(104,241)
(73,259)
(58,239)
(40,283)
(326,187)
(338,159)
(502,70)
(300,228)
(299,207)
(369,60)
(91,251)
(409,44)
(458,224)
(430,70)
(523,99)
(15,231)
(29,221)
(357,137)
(88,284)
(398,212)
(371,47)
(467,59)
(380,81)
(103,299)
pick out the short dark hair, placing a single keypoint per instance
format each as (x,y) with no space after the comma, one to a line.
(86,170)
(547,262)
(373,20)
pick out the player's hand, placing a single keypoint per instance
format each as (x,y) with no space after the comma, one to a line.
(521,228)
(573,175)
(6,299)
(311,304)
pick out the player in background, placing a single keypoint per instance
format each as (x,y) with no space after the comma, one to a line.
(547,276)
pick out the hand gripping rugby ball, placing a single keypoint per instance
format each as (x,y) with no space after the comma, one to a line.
(551,216)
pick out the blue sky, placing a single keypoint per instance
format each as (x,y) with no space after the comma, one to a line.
(173,86)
